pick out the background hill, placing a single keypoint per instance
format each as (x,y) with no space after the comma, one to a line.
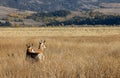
(59,12)
(51,5)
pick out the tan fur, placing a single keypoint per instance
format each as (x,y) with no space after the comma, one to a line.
(36,53)
(41,47)
(40,50)
(29,48)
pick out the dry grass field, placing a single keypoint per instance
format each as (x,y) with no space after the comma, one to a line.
(71,52)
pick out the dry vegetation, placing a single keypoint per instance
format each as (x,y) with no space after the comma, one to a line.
(71,53)
(109,8)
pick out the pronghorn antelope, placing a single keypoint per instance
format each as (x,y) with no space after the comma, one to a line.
(40,50)
(36,53)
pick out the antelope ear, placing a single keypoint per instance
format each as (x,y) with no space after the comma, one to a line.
(32,44)
(39,42)
(44,41)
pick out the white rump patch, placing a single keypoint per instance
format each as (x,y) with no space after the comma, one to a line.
(40,56)
(33,51)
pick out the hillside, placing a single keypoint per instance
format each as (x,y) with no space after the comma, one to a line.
(6,10)
(59,12)
(12,16)
(50,5)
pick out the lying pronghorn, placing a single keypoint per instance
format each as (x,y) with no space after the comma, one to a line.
(38,53)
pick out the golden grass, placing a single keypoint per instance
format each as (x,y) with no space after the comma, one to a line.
(59,31)
(71,53)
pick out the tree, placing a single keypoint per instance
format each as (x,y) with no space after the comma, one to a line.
(7,23)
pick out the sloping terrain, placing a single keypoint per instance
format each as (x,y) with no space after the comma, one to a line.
(6,10)
(50,5)
(109,8)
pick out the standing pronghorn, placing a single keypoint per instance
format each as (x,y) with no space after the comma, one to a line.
(40,50)
(36,53)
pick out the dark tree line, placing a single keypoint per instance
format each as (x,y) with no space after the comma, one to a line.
(97,20)
(59,13)
(5,23)
(91,18)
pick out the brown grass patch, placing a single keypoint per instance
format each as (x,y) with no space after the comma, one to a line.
(68,56)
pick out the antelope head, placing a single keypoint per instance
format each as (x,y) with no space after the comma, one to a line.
(42,45)
(29,47)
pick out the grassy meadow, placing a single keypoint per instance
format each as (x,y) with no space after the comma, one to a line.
(72,52)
